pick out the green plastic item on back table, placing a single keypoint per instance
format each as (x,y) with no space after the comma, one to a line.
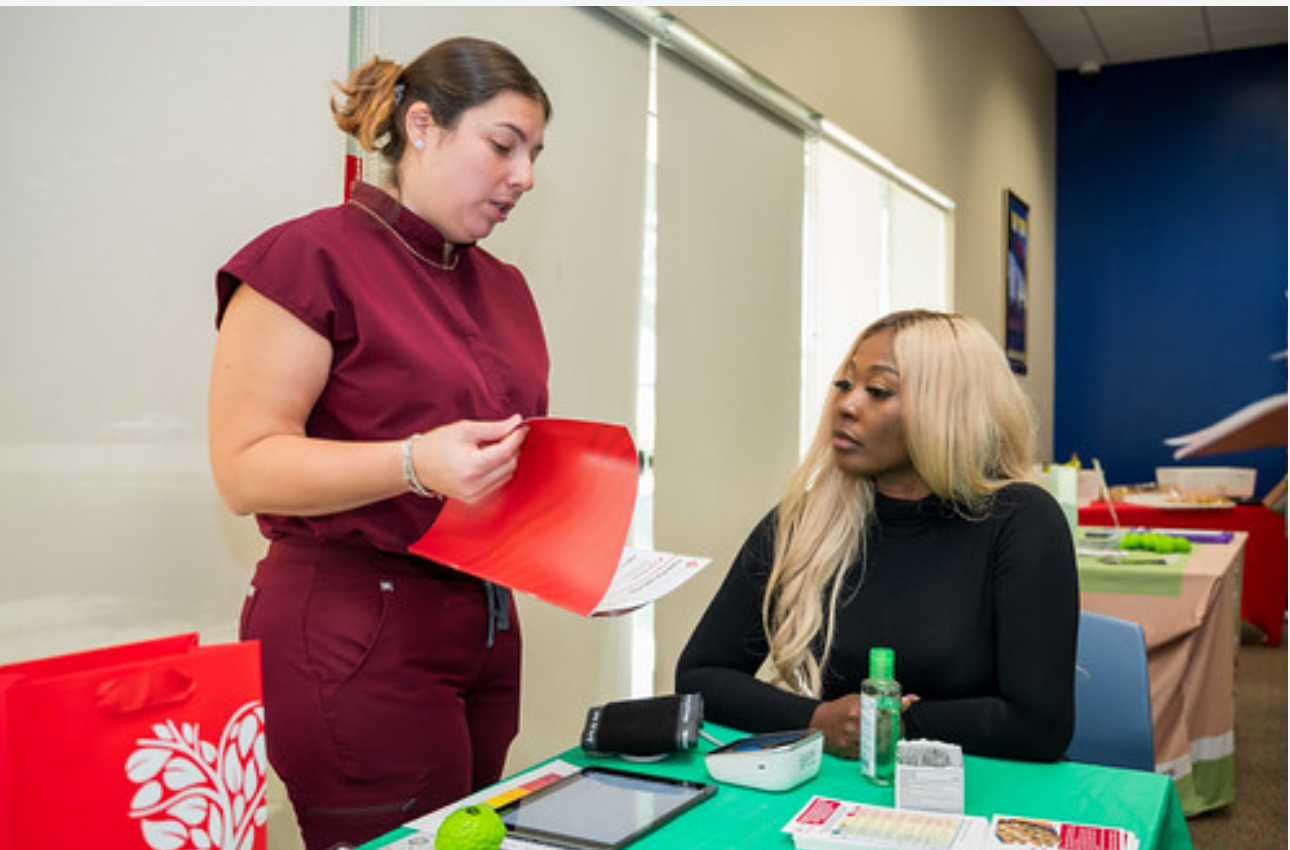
(1154,542)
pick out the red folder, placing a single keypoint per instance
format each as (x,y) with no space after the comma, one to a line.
(557,530)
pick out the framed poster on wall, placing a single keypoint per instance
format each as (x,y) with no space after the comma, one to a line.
(1017,221)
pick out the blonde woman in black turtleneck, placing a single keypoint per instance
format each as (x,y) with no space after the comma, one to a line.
(911,524)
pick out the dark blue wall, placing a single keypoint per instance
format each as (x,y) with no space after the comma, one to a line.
(1171,256)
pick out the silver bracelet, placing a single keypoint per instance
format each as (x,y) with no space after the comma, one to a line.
(410,472)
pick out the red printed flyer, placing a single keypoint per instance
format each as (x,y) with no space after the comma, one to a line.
(1027,833)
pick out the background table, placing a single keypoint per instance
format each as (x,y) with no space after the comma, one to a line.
(1263,597)
(1145,803)
(1190,625)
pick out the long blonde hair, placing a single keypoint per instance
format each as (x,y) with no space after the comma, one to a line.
(969,430)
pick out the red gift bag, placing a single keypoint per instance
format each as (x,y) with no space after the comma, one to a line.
(156,745)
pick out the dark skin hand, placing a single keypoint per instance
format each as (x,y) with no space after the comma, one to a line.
(839,720)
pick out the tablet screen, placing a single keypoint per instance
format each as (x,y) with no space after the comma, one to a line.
(601,808)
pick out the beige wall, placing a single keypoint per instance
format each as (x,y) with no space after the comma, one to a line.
(961,97)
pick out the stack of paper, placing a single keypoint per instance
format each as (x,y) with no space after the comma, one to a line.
(828,824)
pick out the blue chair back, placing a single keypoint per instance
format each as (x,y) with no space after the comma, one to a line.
(1112,695)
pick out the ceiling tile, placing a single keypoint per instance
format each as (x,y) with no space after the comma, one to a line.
(1236,27)
(1075,35)
(1134,33)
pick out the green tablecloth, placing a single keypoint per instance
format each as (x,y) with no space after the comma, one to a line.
(1145,803)
(1133,573)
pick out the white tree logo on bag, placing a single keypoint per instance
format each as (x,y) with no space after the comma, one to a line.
(196,795)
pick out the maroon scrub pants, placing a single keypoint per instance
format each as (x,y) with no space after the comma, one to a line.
(391,686)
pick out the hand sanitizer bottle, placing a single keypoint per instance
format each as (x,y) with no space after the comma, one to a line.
(879,718)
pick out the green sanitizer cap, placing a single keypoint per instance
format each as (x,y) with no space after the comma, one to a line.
(882,663)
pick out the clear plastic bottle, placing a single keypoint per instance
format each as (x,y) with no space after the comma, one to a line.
(879,718)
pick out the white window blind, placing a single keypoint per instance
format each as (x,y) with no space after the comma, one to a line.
(730,189)
(872,246)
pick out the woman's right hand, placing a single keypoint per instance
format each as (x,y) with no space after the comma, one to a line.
(467,460)
(839,720)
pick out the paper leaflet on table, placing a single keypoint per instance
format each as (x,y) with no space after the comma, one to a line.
(495,795)
(825,823)
(1022,833)
(558,529)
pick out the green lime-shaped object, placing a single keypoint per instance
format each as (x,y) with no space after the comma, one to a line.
(476,827)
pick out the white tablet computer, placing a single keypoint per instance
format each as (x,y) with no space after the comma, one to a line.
(600,808)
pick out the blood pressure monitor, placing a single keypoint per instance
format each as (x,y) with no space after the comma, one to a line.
(776,761)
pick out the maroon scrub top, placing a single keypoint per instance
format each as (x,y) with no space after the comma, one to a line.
(417,341)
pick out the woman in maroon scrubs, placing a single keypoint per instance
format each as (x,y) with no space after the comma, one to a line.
(371,362)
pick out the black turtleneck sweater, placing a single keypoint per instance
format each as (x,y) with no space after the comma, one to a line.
(982,615)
